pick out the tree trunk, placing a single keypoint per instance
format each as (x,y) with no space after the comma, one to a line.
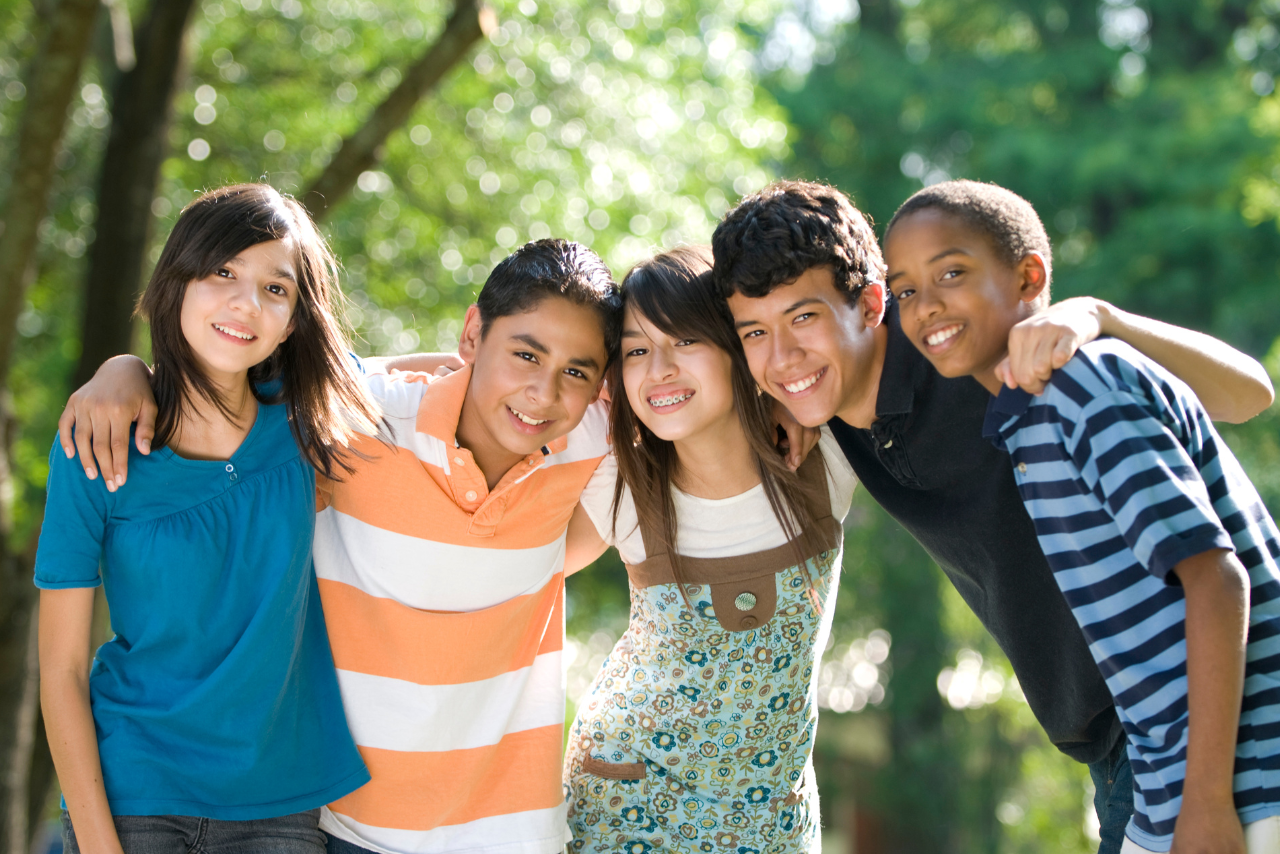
(51,85)
(140,112)
(470,20)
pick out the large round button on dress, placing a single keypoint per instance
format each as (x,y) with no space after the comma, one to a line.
(745,601)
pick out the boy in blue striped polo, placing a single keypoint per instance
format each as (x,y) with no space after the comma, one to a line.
(1161,545)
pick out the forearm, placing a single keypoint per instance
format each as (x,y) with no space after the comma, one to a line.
(1217,597)
(73,742)
(1232,386)
(425,363)
(583,544)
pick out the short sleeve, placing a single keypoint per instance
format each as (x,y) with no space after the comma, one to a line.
(75,521)
(597,500)
(1146,481)
(841,481)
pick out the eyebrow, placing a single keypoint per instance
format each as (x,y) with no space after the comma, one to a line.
(742,324)
(533,343)
(943,254)
(278,272)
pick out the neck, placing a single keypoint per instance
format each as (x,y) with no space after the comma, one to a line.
(204,432)
(716,462)
(987,377)
(493,459)
(859,406)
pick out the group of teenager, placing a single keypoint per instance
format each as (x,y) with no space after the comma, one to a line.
(336,586)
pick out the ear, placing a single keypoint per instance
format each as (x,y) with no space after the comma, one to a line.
(872,304)
(1034,276)
(469,341)
(288,330)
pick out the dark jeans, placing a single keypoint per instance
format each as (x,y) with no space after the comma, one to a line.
(342,846)
(1113,796)
(180,834)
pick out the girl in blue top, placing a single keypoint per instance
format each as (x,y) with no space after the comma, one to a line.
(211,721)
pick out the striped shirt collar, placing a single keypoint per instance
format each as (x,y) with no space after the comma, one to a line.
(441,410)
(1009,403)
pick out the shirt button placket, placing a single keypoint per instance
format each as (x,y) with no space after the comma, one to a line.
(232,475)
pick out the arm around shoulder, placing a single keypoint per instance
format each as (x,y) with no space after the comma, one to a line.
(1233,386)
(100,413)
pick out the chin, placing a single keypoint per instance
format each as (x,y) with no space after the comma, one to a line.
(813,413)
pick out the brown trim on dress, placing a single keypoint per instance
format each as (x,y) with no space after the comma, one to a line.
(613,770)
(733,579)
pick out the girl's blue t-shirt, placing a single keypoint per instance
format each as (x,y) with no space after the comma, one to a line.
(217,695)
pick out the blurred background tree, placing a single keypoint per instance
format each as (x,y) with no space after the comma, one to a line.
(1148,138)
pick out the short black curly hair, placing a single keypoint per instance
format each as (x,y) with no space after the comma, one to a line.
(775,235)
(1005,218)
(553,267)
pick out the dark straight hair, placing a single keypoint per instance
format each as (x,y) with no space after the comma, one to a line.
(311,371)
(675,292)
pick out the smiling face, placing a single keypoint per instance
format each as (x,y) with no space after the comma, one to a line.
(957,298)
(236,316)
(810,347)
(679,388)
(534,374)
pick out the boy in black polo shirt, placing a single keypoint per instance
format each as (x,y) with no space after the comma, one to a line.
(804,277)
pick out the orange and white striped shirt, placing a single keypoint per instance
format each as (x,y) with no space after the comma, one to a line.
(445,608)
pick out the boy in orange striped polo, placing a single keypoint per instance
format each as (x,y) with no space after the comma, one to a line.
(441,558)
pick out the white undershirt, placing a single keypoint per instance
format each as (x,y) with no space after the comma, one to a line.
(711,527)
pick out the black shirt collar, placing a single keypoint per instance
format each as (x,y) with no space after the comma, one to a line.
(1010,403)
(901,370)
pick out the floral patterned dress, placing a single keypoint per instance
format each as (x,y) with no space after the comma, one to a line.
(697,733)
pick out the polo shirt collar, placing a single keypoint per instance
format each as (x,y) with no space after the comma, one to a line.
(1009,403)
(441,410)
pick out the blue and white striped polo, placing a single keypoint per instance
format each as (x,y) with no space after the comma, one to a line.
(1124,476)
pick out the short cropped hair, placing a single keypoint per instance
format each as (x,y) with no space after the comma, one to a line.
(553,267)
(1002,216)
(789,227)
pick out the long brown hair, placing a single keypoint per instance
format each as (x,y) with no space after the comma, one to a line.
(311,371)
(675,292)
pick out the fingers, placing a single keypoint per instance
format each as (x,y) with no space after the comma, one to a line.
(146,427)
(791,442)
(1063,352)
(66,422)
(84,445)
(102,451)
(1004,373)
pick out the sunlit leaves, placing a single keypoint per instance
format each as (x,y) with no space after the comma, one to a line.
(627,127)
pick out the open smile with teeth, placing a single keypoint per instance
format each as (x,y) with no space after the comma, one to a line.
(800,385)
(933,339)
(226,330)
(532,422)
(670,399)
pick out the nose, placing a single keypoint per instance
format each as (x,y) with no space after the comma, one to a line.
(786,352)
(928,303)
(662,366)
(245,297)
(543,387)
